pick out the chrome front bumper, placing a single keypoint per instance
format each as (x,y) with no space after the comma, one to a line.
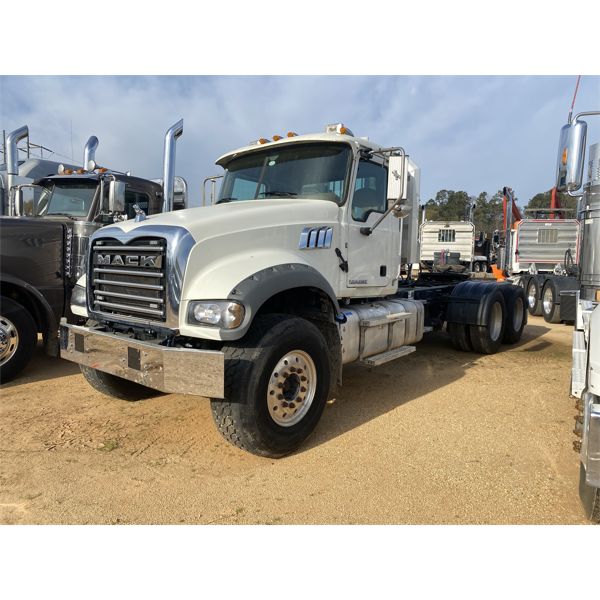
(170,370)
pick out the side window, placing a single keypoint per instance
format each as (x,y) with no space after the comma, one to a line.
(133,197)
(370,190)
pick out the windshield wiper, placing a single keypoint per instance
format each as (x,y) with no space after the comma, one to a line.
(279,194)
(59,214)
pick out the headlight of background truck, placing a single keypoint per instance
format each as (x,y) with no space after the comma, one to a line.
(216,313)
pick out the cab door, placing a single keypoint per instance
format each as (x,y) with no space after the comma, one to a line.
(372,259)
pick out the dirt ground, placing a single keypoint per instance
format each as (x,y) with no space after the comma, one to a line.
(438,437)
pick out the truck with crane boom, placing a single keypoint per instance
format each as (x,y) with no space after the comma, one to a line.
(43,252)
(585,370)
(258,301)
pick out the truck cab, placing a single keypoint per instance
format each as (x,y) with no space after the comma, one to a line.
(258,300)
(44,244)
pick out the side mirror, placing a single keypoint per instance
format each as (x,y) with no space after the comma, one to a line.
(116,196)
(397,178)
(571,153)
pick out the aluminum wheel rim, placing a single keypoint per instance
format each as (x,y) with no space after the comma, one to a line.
(9,340)
(291,389)
(518,314)
(548,300)
(495,325)
(531,299)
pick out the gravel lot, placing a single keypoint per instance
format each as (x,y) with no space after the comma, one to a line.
(436,437)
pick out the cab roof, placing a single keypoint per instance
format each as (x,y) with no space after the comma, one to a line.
(356,142)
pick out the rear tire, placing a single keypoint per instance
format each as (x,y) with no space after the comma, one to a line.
(534,303)
(476,267)
(18,337)
(589,496)
(270,406)
(117,387)
(550,309)
(486,339)
(516,313)
(459,336)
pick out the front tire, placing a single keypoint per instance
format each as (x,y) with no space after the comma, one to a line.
(18,337)
(277,381)
(589,496)
(117,387)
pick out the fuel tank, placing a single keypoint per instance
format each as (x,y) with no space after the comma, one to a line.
(376,327)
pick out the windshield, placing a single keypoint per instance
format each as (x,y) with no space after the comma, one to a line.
(297,171)
(62,198)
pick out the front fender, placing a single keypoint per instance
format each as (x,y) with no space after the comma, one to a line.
(252,290)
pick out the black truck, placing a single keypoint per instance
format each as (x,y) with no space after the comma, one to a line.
(42,255)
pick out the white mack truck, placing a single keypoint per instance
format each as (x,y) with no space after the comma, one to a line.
(585,372)
(257,301)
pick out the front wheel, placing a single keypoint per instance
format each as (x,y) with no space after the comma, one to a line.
(276,385)
(589,496)
(18,336)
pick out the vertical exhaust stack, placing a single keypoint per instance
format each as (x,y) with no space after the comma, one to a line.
(12,161)
(169,165)
(89,153)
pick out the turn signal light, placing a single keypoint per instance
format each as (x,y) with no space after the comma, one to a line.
(102,170)
(80,171)
(564,156)
(597,295)
(68,171)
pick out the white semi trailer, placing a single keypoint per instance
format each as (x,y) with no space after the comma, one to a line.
(257,301)
(585,373)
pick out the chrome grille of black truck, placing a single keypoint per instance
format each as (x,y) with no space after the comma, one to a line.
(128,280)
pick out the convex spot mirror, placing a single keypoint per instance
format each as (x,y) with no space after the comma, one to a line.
(571,153)
(116,196)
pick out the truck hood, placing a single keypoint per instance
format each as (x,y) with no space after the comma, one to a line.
(223,219)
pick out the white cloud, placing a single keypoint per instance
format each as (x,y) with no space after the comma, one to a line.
(472,133)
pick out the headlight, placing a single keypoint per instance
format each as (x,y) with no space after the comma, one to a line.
(217,313)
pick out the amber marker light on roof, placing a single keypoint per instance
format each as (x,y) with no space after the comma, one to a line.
(291,134)
(102,170)
(263,141)
(276,138)
(80,171)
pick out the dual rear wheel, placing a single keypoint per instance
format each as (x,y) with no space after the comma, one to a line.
(505,317)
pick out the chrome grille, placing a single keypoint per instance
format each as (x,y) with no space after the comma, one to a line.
(128,280)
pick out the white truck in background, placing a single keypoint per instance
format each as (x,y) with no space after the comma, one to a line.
(450,245)
(257,301)
(585,373)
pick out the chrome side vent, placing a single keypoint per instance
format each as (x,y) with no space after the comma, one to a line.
(128,280)
(316,237)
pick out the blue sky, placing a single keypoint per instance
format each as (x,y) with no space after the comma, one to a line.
(475,133)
